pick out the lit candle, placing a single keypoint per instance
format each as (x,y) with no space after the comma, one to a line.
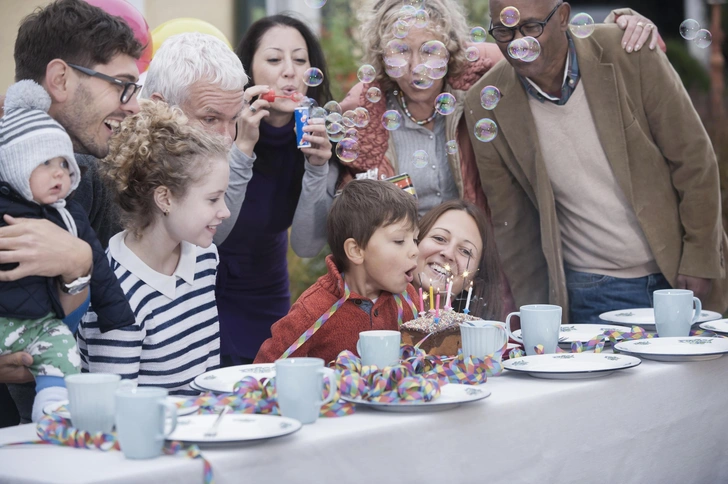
(422,302)
(432,296)
(437,306)
(467,301)
(449,294)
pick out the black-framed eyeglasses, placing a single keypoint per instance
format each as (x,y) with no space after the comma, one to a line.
(129,89)
(502,33)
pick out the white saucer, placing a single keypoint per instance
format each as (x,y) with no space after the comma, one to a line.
(677,348)
(235,427)
(571,366)
(583,333)
(223,380)
(451,395)
(61,408)
(718,326)
(645,317)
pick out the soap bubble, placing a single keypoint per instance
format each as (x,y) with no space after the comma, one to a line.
(396,56)
(374,94)
(349,119)
(472,53)
(533,51)
(452,147)
(333,107)
(418,4)
(307,102)
(486,130)
(366,73)
(489,97)
(421,19)
(347,150)
(518,48)
(352,133)
(435,55)
(478,35)
(445,103)
(361,118)
(317,112)
(420,159)
(391,120)
(333,128)
(420,77)
(315,3)
(510,16)
(582,25)
(703,39)
(337,136)
(334,117)
(689,29)
(400,29)
(407,15)
(313,77)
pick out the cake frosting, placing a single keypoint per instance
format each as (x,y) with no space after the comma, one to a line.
(444,335)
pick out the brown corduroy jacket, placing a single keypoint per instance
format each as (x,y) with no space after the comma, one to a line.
(656,145)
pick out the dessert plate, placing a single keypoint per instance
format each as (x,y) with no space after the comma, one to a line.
(645,317)
(719,326)
(675,348)
(451,395)
(61,408)
(570,333)
(571,366)
(235,427)
(224,379)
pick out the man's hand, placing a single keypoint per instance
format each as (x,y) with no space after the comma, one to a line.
(700,287)
(13,368)
(42,249)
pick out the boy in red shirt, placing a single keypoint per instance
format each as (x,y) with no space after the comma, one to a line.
(372,232)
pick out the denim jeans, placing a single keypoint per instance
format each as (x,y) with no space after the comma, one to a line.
(593,294)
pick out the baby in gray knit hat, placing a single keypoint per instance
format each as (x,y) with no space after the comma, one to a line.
(38,171)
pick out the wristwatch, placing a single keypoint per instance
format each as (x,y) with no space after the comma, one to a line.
(75,287)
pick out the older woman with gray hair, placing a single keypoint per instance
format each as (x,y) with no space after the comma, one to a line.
(201,75)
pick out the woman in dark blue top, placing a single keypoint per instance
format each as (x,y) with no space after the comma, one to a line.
(252,286)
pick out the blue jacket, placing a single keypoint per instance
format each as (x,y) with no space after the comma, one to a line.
(34,297)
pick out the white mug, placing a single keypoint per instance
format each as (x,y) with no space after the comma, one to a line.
(91,400)
(674,313)
(141,423)
(379,347)
(299,385)
(540,325)
(482,338)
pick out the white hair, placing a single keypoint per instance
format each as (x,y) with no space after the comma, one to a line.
(188,58)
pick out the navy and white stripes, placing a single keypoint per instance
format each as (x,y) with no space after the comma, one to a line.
(174,339)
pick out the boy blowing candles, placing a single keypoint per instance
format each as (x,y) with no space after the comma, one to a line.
(372,232)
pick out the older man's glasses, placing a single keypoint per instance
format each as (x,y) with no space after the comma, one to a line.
(128,88)
(502,33)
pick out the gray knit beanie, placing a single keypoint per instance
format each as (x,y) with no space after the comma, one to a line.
(30,137)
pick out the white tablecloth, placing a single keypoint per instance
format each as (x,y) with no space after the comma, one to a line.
(657,423)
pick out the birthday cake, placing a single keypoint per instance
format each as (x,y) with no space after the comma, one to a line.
(444,335)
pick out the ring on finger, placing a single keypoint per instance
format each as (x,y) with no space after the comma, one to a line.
(253,109)
(649,26)
(640,24)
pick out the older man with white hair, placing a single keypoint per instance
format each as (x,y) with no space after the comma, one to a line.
(201,75)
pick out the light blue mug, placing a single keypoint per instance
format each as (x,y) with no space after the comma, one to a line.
(540,325)
(674,313)
(141,421)
(299,385)
(482,338)
(91,400)
(379,347)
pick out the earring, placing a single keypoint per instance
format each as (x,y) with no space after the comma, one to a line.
(166,212)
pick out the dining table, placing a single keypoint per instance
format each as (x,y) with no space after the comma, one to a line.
(659,422)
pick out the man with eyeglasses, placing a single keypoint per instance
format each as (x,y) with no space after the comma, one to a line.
(85,59)
(602,182)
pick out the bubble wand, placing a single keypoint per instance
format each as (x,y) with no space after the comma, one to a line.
(271,96)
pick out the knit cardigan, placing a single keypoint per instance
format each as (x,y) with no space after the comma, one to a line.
(341,331)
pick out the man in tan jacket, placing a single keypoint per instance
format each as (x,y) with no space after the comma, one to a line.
(602,181)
